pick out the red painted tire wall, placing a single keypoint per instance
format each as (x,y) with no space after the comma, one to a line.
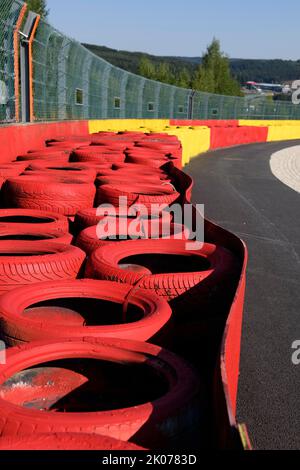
(18,139)
(15,140)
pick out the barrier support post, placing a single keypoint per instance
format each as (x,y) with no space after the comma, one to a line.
(16,61)
(191,105)
(27,36)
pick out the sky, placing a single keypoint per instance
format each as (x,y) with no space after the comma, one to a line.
(249,29)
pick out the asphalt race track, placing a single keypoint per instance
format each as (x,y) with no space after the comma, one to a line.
(241,194)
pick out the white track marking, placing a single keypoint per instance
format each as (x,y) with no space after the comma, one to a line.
(285,165)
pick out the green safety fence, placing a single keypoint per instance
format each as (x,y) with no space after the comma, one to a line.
(9,14)
(70,82)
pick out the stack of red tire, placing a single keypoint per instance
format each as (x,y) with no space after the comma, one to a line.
(83,289)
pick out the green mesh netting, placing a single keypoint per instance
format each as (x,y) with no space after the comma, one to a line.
(71,82)
(9,14)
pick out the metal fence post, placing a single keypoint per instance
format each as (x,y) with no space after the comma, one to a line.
(140,94)
(206,106)
(62,80)
(157,100)
(123,86)
(17,61)
(86,83)
(104,91)
(221,107)
(172,102)
(191,105)
(26,102)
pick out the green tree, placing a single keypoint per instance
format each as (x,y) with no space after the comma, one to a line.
(164,73)
(214,75)
(39,7)
(147,69)
(184,79)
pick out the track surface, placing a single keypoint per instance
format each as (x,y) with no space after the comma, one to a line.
(241,194)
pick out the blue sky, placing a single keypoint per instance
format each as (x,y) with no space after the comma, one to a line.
(262,29)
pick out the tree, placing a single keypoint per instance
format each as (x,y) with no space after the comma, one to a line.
(39,7)
(214,75)
(184,79)
(164,73)
(147,69)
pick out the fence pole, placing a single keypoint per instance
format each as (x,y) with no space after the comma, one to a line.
(191,105)
(26,66)
(16,61)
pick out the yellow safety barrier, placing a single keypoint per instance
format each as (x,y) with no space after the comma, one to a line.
(127,125)
(194,140)
(277,133)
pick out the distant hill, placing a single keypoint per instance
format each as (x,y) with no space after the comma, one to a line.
(130,60)
(271,71)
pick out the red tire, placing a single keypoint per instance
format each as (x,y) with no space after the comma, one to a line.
(176,272)
(118,144)
(99,166)
(98,135)
(160,136)
(66,441)
(104,157)
(86,218)
(67,169)
(51,156)
(140,153)
(46,151)
(95,149)
(151,162)
(10,170)
(61,195)
(160,146)
(23,263)
(32,220)
(136,391)
(120,230)
(70,144)
(19,234)
(124,174)
(88,177)
(60,165)
(72,138)
(133,135)
(145,152)
(141,169)
(123,178)
(145,194)
(93,167)
(89,217)
(66,312)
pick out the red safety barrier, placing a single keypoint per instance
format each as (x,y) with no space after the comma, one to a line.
(16,140)
(231,136)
